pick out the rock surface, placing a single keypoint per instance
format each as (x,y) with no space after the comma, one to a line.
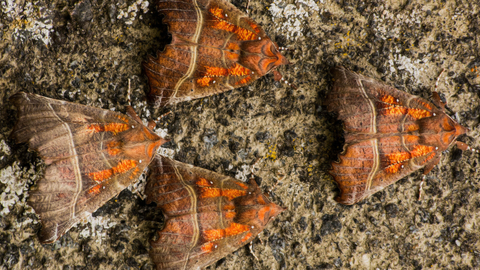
(88,51)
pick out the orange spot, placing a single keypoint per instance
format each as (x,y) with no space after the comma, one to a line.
(233,193)
(94,128)
(389,100)
(254,26)
(112,127)
(412,127)
(236,70)
(209,193)
(393,168)
(221,24)
(95,190)
(123,118)
(395,110)
(262,212)
(246,237)
(236,228)
(230,215)
(112,148)
(216,71)
(393,107)
(233,229)
(419,113)
(204,182)
(228,207)
(396,159)
(399,157)
(213,235)
(123,166)
(208,247)
(425,104)
(134,173)
(233,46)
(421,150)
(242,185)
(217,12)
(232,56)
(216,192)
(205,81)
(432,155)
(244,80)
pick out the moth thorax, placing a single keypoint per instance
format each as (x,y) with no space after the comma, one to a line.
(260,56)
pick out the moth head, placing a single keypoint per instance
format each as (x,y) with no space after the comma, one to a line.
(452,130)
(255,209)
(261,56)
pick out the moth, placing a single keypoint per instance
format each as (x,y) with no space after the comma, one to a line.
(215,48)
(388,134)
(91,155)
(208,215)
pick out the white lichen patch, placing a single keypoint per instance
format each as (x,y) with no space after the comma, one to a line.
(130,12)
(243,174)
(97,229)
(294,16)
(417,68)
(4,149)
(28,21)
(15,180)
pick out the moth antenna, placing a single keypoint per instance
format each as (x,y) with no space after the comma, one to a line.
(277,76)
(251,251)
(280,177)
(129,101)
(420,189)
(284,49)
(438,79)
(153,123)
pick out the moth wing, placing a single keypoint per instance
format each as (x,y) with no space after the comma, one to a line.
(369,166)
(87,158)
(203,57)
(369,108)
(199,205)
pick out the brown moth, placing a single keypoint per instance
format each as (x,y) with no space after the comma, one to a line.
(91,155)
(215,48)
(388,134)
(208,215)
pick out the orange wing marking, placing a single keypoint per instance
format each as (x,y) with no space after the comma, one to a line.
(113,148)
(393,107)
(396,159)
(112,127)
(122,167)
(236,70)
(208,247)
(204,182)
(221,24)
(95,190)
(217,234)
(231,194)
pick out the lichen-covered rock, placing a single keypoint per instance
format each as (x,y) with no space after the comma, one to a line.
(88,51)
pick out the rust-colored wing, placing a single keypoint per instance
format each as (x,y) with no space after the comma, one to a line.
(91,155)
(388,134)
(207,215)
(215,47)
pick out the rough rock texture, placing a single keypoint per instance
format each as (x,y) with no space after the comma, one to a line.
(87,52)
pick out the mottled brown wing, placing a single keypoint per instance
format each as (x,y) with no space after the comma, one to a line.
(388,134)
(208,215)
(91,155)
(215,48)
